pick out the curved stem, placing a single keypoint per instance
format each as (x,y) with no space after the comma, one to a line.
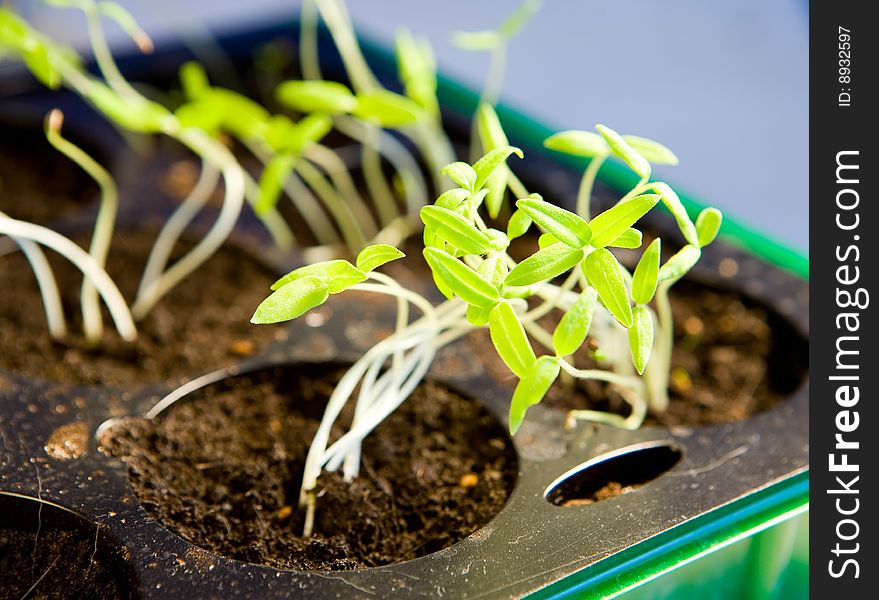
(584,193)
(82,261)
(105,221)
(309,59)
(339,23)
(179,220)
(233,177)
(338,173)
(349,226)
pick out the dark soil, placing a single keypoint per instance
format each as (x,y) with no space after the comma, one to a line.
(62,564)
(223,470)
(732,358)
(37,183)
(201,325)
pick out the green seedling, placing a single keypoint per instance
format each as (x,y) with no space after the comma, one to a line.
(573,272)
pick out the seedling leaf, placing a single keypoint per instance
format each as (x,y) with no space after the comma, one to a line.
(566,226)
(291,300)
(630,238)
(544,264)
(707,225)
(461,279)
(455,229)
(338,274)
(271,182)
(486,165)
(387,108)
(605,274)
(641,337)
(518,224)
(613,222)
(532,388)
(578,143)
(372,257)
(646,274)
(624,151)
(509,339)
(676,208)
(678,265)
(462,174)
(654,152)
(329,97)
(574,326)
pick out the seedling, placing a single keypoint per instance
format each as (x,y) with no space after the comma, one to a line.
(572,272)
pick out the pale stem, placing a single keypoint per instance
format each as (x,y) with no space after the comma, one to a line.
(103,55)
(55,320)
(104,222)
(339,175)
(281,234)
(177,224)
(308,53)
(376,183)
(658,397)
(584,194)
(82,261)
(337,207)
(336,17)
(233,176)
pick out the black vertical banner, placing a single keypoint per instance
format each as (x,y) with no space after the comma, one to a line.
(844,258)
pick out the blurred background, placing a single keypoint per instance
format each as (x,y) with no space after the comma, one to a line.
(723,84)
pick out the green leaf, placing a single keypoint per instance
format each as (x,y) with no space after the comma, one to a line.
(678,265)
(620,148)
(641,337)
(242,117)
(495,187)
(478,316)
(574,326)
(498,240)
(461,279)
(646,275)
(455,229)
(676,208)
(193,79)
(387,108)
(568,227)
(339,275)
(476,40)
(630,238)
(134,114)
(486,165)
(491,134)
(532,388)
(611,224)
(509,339)
(36,58)
(518,224)
(313,128)
(462,174)
(544,264)
(494,270)
(417,69)
(654,152)
(519,18)
(606,276)
(316,96)
(452,199)
(291,301)
(546,240)
(578,143)
(707,225)
(271,182)
(372,257)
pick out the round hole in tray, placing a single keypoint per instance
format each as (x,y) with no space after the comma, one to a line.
(47,551)
(222,467)
(612,474)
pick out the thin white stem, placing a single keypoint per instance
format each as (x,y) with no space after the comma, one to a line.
(281,234)
(382,196)
(105,221)
(661,362)
(602,375)
(338,22)
(177,223)
(339,175)
(337,207)
(398,155)
(103,55)
(233,176)
(55,320)
(584,193)
(82,261)
(308,54)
